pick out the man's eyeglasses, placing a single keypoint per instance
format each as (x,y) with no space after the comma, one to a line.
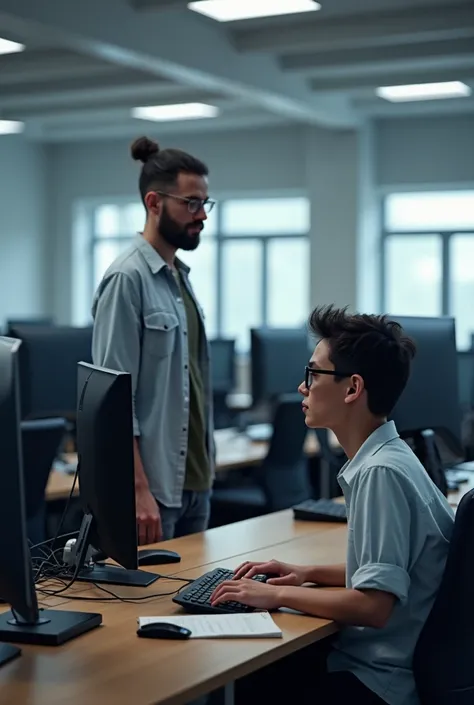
(310,372)
(194,204)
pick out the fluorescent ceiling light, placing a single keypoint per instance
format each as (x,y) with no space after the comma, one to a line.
(424,91)
(181,111)
(230,10)
(10,127)
(8,47)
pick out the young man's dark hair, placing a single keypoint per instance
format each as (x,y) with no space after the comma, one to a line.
(161,167)
(374,347)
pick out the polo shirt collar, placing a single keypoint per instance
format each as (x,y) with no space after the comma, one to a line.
(371,446)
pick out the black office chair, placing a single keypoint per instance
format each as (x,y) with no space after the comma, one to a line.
(281,481)
(41,441)
(444,655)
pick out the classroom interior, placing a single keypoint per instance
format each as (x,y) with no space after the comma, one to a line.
(329,189)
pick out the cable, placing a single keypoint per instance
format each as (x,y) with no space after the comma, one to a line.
(114,597)
(66,508)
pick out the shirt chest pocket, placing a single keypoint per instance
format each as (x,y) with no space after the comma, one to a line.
(159,333)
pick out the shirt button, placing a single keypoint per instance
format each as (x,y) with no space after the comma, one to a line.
(179,300)
(182,452)
(186,400)
(185,367)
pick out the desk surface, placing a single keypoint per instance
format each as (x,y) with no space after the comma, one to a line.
(233,450)
(111,664)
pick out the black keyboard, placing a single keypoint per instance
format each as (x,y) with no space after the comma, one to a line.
(320,510)
(195,597)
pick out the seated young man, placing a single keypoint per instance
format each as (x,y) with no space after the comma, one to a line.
(399,523)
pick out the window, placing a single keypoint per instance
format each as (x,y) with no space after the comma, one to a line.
(251,268)
(428,254)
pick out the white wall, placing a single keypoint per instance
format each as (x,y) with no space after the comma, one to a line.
(23,207)
(420,151)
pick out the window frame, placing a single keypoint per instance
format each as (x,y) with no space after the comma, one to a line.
(220,238)
(444,234)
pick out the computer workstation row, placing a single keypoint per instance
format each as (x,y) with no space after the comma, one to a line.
(108,530)
(432,402)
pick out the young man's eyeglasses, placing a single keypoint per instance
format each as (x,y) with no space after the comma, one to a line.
(310,372)
(194,204)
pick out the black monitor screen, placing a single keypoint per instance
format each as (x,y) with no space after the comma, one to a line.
(431,398)
(16,579)
(48,368)
(279,357)
(222,364)
(105,461)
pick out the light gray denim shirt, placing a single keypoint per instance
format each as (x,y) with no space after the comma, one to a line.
(399,528)
(140,327)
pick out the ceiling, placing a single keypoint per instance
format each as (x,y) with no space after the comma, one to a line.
(87,64)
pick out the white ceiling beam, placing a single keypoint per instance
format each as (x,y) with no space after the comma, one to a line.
(178,45)
(70,132)
(404,55)
(384,109)
(372,81)
(361,30)
(37,66)
(116,90)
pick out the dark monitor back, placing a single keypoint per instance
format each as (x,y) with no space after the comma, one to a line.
(222,364)
(466,379)
(13,323)
(48,368)
(16,577)
(431,398)
(279,356)
(104,429)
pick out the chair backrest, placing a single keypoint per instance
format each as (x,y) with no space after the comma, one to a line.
(40,440)
(444,654)
(284,474)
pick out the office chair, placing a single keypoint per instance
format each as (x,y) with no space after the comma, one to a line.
(444,654)
(281,481)
(41,440)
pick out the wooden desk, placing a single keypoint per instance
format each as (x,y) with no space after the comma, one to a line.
(111,665)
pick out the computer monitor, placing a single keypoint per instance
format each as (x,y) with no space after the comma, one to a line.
(48,368)
(431,398)
(25,623)
(222,365)
(104,426)
(279,356)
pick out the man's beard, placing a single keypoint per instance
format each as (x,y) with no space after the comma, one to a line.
(177,235)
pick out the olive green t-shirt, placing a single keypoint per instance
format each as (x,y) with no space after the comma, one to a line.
(198,473)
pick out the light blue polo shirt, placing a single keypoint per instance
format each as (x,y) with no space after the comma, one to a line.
(399,528)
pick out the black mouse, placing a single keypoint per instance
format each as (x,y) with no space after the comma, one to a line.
(157,556)
(163,630)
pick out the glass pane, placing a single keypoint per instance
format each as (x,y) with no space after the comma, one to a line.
(242,291)
(413,275)
(107,221)
(210,225)
(104,255)
(440,210)
(133,217)
(461,287)
(203,277)
(288,304)
(266,216)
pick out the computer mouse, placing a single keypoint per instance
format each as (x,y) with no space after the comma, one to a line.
(163,630)
(150,556)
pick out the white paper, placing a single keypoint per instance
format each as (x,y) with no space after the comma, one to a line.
(219,626)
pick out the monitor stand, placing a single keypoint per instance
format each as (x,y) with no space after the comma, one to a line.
(85,570)
(8,653)
(51,628)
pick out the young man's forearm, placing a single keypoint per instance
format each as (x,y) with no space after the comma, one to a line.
(347,606)
(141,480)
(328,575)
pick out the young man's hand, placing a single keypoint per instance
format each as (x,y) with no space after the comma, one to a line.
(248,592)
(148,517)
(286,573)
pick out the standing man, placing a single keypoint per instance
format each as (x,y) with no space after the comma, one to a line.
(147,322)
